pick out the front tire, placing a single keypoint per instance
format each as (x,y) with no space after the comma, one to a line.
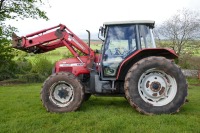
(155,85)
(62,92)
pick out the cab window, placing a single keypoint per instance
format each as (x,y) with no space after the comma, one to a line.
(146,37)
(120,42)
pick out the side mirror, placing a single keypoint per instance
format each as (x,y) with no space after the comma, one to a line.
(105,57)
(102,31)
(101,34)
(98,51)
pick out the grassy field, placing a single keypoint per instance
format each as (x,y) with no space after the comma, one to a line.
(57,54)
(21,111)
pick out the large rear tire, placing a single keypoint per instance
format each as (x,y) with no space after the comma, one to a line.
(62,92)
(155,85)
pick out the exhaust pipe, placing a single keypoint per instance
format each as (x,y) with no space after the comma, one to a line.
(88,37)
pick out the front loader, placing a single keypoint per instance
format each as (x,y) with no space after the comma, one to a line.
(129,65)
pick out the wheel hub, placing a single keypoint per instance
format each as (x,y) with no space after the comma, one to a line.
(61,93)
(155,86)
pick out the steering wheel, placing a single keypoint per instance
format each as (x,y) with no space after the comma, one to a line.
(117,51)
(127,52)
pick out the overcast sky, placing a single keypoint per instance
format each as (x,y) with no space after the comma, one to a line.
(79,15)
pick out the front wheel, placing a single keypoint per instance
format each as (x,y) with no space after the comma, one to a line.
(155,85)
(62,92)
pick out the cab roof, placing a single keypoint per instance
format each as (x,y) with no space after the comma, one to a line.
(146,22)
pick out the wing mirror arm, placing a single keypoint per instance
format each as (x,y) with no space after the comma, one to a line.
(101,34)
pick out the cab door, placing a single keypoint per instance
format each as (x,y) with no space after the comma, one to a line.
(120,42)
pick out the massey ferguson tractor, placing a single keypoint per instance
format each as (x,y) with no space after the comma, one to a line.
(129,65)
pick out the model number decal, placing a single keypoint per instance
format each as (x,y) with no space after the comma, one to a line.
(73,64)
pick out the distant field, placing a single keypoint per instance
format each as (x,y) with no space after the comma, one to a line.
(60,53)
(21,111)
(198,52)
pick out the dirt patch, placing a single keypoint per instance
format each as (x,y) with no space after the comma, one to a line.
(11,82)
(195,84)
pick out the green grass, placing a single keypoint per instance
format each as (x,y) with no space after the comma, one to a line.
(21,111)
(197,53)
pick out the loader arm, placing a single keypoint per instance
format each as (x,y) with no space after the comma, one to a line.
(49,39)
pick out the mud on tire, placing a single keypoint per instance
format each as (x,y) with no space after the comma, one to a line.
(62,92)
(155,85)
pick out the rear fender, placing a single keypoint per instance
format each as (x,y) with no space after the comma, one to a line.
(140,54)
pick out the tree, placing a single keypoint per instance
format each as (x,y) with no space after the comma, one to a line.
(180,29)
(14,9)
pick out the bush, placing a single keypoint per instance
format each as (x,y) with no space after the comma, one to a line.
(7,65)
(32,77)
(7,70)
(36,71)
(25,70)
(188,61)
(23,65)
(67,54)
(6,74)
(41,65)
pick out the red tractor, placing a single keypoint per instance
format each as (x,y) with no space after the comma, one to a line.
(129,64)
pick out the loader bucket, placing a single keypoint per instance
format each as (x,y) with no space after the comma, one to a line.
(19,43)
(16,41)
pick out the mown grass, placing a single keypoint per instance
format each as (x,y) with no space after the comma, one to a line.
(21,111)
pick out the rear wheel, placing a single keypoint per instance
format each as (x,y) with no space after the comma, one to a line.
(62,92)
(155,85)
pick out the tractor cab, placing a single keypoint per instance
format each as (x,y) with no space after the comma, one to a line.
(122,39)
